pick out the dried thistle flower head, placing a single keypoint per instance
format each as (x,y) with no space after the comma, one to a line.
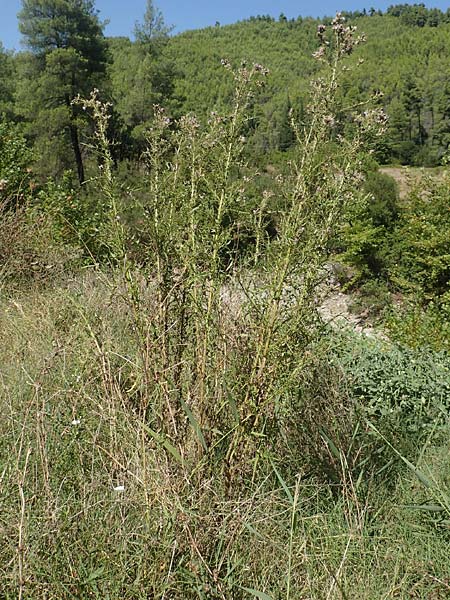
(321,29)
(320,53)
(341,37)
(189,122)
(261,69)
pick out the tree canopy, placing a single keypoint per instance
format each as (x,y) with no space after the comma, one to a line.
(67,57)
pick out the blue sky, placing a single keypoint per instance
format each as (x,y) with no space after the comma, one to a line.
(122,14)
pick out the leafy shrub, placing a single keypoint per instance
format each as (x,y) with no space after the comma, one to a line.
(383,198)
(416,326)
(76,215)
(419,248)
(364,237)
(393,383)
(15,162)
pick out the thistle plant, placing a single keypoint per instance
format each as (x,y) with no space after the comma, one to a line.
(195,193)
(110,231)
(223,343)
(324,177)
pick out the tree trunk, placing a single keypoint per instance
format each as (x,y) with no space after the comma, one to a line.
(77,151)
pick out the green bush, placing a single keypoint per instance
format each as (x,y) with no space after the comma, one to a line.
(364,238)
(77,216)
(406,387)
(415,325)
(383,199)
(418,254)
(15,162)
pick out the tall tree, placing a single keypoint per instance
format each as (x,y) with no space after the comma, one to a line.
(67,57)
(141,74)
(153,29)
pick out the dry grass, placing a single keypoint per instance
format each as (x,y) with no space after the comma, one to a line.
(72,434)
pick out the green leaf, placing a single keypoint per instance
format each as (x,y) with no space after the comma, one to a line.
(195,425)
(163,441)
(95,575)
(257,594)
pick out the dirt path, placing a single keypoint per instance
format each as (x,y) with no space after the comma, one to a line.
(335,309)
(406,177)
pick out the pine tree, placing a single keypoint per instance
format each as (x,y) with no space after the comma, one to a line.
(141,74)
(153,30)
(67,57)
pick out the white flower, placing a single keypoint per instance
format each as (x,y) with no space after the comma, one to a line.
(76,422)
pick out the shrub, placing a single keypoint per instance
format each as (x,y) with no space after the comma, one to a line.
(415,325)
(364,237)
(15,162)
(419,253)
(409,387)
(383,199)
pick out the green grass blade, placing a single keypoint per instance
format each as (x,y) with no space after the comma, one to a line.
(332,446)
(417,472)
(425,507)
(195,425)
(163,441)
(257,594)
(283,483)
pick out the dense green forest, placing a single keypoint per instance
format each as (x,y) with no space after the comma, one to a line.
(405,58)
(406,61)
(225,307)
